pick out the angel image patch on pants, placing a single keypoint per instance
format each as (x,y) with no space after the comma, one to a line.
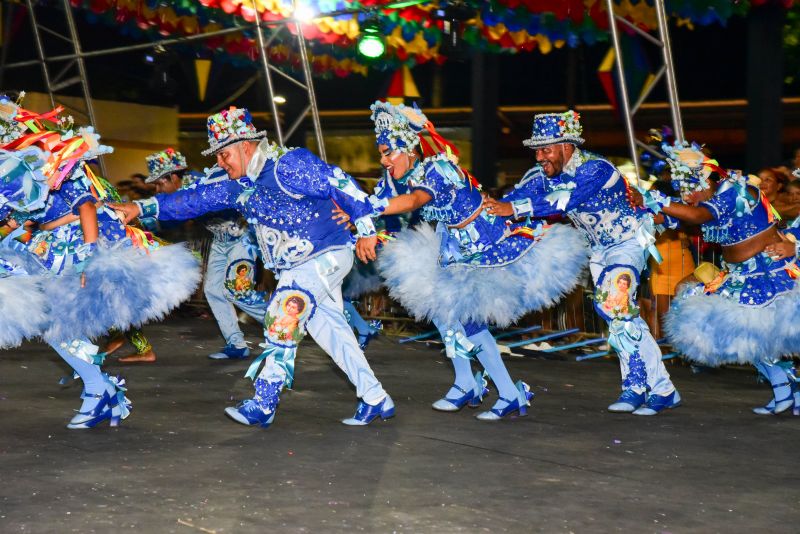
(615,295)
(240,278)
(288,313)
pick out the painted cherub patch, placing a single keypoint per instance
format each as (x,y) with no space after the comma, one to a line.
(615,295)
(287,315)
(240,278)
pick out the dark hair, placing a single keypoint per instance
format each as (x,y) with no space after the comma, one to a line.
(626,277)
(242,266)
(793,183)
(138,176)
(779,174)
(301,304)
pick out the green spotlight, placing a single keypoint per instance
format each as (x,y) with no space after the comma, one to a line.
(371,44)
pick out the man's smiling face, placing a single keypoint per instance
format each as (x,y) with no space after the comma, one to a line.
(553,158)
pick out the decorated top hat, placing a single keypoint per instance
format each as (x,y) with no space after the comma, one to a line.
(164,163)
(230,126)
(554,128)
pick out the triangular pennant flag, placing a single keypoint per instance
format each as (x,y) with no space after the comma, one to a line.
(396,86)
(409,87)
(638,72)
(202,68)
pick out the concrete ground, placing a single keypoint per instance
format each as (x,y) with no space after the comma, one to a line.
(179,465)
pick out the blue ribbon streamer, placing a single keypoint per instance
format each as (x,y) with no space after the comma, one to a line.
(457,344)
(624,336)
(284,358)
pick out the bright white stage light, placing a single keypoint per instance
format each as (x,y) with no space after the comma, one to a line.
(304,13)
(278,99)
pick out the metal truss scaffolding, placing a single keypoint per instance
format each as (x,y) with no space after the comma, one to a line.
(67,76)
(73,72)
(666,71)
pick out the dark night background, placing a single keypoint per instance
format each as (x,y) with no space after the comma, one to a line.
(709,63)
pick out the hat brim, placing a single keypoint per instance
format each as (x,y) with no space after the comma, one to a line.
(247,137)
(542,143)
(102,150)
(154,178)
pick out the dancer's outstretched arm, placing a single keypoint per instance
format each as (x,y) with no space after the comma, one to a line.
(184,204)
(407,203)
(688,214)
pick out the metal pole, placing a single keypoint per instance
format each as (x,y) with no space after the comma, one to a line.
(312,98)
(130,48)
(40,52)
(672,86)
(87,96)
(623,89)
(262,52)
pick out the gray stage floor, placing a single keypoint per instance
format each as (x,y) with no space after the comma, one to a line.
(178,465)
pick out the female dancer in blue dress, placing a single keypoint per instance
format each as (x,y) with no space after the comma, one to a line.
(749,312)
(475,268)
(80,274)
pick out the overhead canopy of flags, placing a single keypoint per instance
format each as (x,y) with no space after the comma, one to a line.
(414,34)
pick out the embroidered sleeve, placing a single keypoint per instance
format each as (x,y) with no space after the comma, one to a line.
(670,222)
(384,188)
(440,180)
(76,194)
(533,183)
(722,205)
(191,203)
(540,197)
(301,173)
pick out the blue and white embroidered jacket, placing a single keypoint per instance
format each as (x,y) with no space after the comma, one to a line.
(289,204)
(63,246)
(486,241)
(739,214)
(591,192)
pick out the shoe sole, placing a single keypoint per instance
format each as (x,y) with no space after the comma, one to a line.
(654,412)
(358,422)
(234,414)
(632,409)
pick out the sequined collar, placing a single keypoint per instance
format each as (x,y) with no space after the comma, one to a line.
(266,151)
(578,158)
(413,174)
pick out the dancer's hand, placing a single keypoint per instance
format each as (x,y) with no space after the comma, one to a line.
(365,248)
(340,216)
(636,197)
(784,249)
(495,207)
(127,211)
(83,280)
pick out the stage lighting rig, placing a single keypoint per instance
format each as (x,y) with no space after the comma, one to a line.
(452,17)
(371,43)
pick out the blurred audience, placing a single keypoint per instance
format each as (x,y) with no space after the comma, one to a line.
(142,188)
(773,184)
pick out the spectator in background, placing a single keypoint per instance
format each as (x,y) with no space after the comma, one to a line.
(125,190)
(792,191)
(772,182)
(141,187)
